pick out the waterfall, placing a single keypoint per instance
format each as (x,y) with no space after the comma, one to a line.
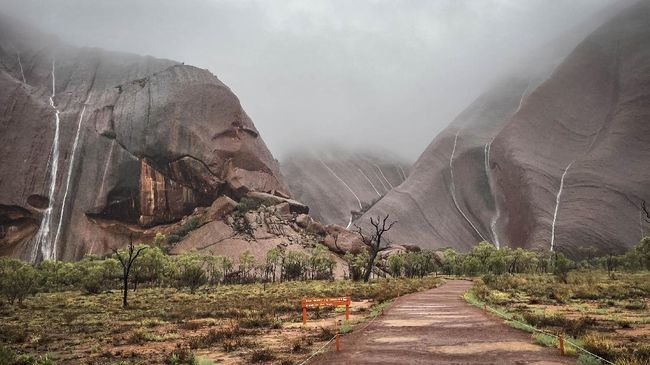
(42,236)
(381,180)
(557,204)
(382,174)
(497,214)
(402,171)
(67,183)
(452,186)
(521,100)
(371,184)
(346,185)
(21,68)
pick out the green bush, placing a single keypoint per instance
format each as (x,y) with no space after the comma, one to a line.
(247,204)
(7,356)
(17,280)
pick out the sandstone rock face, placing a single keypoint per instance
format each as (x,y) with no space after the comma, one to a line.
(97,146)
(271,227)
(571,164)
(551,162)
(294,206)
(338,185)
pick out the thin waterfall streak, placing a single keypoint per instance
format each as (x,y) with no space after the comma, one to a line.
(21,68)
(523,96)
(497,214)
(557,204)
(403,174)
(349,223)
(371,184)
(108,161)
(381,181)
(44,230)
(382,174)
(452,187)
(67,184)
(344,183)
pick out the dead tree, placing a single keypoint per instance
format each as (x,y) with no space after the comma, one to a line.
(127,263)
(374,239)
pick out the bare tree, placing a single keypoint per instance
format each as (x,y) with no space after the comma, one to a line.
(127,263)
(374,239)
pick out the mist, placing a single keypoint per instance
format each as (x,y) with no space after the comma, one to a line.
(356,74)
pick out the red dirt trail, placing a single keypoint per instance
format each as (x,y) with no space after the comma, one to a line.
(438,327)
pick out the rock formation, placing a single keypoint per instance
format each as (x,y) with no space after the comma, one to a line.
(549,162)
(98,146)
(340,185)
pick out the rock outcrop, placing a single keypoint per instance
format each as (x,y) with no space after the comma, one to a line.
(549,162)
(340,185)
(98,146)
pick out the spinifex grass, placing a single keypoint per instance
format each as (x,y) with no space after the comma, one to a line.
(163,324)
(607,315)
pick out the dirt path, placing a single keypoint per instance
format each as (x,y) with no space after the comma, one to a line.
(438,327)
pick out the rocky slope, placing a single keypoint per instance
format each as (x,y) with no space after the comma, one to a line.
(98,146)
(339,185)
(543,162)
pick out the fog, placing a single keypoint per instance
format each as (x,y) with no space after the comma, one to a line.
(358,74)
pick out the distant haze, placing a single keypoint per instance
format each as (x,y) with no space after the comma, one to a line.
(355,73)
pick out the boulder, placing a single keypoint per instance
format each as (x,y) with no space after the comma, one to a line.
(222,206)
(340,240)
(303,220)
(294,205)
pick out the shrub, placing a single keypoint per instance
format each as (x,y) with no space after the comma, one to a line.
(214,336)
(17,279)
(173,238)
(7,356)
(262,355)
(247,204)
(188,226)
(600,346)
(637,305)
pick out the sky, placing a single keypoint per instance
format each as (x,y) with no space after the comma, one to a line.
(357,74)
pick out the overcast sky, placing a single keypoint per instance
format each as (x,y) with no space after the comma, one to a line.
(357,73)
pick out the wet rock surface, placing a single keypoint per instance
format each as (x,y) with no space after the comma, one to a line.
(552,159)
(141,142)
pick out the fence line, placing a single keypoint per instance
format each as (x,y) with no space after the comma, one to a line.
(511,318)
(340,335)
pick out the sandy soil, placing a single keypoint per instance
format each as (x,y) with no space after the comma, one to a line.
(438,327)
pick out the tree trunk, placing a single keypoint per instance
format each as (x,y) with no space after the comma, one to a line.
(371,263)
(125,289)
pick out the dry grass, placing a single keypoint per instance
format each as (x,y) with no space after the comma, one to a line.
(232,324)
(608,316)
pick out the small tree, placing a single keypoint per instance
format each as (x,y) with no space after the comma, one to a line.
(127,258)
(561,266)
(272,260)
(246,264)
(374,240)
(190,272)
(395,264)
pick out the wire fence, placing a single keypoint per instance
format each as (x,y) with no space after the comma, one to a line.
(340,335)
(534,329)
(318,351)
